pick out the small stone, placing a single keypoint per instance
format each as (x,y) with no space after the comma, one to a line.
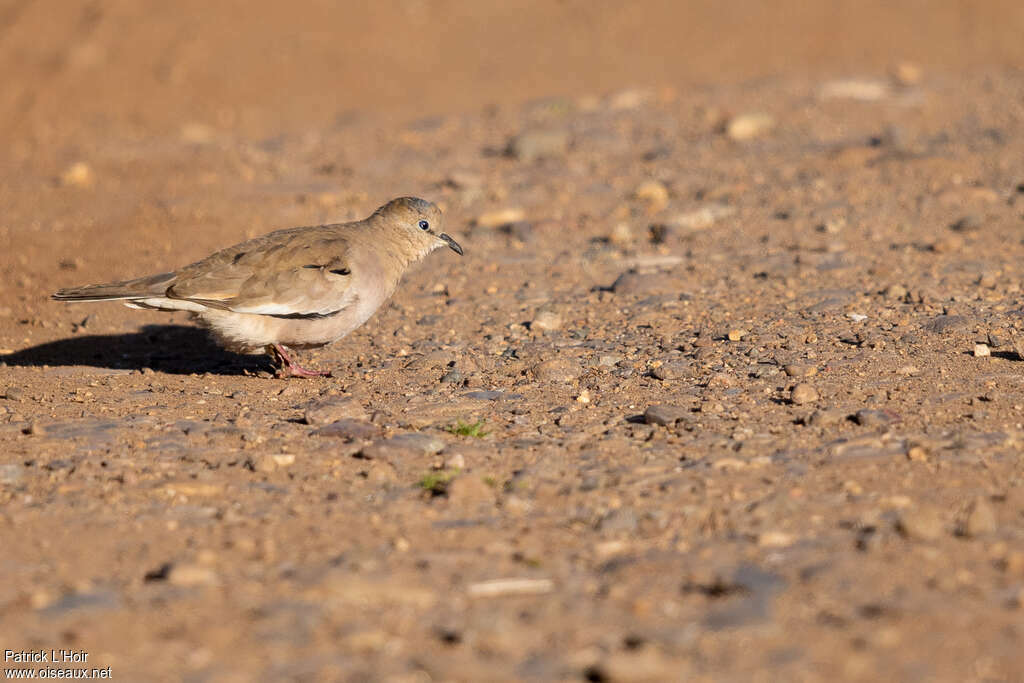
(917,453)
(265,463)
(945,324)
(736,335)
(14,394)
(556,370)
(404,445)
(196,133)
(672,370)
(455,461)
(982,351)
(948,245)
(922,524)
(323,412)
(979,519)
(538,144)
(749,126)
(584,397)
(462,179)
(854,89)
(968,223)
(775,539)
(827,418)
(652,192)
(803,393)
(665,415)
(78,174)
(799,370)
(494,219)
(622,235)
(868,417)
(546,320)
(35,428)
(191,488)
(898,292)
(907,74)
(644,284)
(11,474)
(350,430)
(701,218)
(191,576)
(453,376)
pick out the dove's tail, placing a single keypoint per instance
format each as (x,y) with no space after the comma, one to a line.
(142,288)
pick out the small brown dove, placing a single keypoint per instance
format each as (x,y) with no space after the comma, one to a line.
(299,288)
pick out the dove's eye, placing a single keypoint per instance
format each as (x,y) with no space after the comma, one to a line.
(424,225)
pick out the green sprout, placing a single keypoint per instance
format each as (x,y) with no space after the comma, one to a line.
(475,429)
(436,483)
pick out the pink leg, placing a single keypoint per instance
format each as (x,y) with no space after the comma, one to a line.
(289,368)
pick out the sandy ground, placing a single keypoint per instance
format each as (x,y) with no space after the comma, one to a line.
(727,385)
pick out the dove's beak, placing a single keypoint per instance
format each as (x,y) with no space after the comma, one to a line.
(446,238)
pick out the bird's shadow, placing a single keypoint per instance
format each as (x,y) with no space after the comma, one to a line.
(174,349)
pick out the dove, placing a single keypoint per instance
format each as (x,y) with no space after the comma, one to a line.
(297,288)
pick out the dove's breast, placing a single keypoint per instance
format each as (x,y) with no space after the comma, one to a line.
(370,287)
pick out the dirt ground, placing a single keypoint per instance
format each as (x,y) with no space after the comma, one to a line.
(727,386)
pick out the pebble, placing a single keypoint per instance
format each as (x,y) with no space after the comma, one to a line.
(653,192)
(921,524)
(665,415)
(898,292)
(803,393)
(621,235)
(538,144)
(323,412)
(749,126)
(864,90)
(800,370)
(463,179)
(979,519)
(827,418)
(14,393)
(868,417)
(701,218)
(494,219)
(514,586)
(191,576)
(736,335)
(78,174)
(945,324)
(672,370)
(907,74)
(413,443)
(981,351)
(190,488)
(11,473)
(546,320)
(453,376)
(455,461)
(556,370)
(350,430)
(636,283)
(492,395)
(968,223)
(775,539)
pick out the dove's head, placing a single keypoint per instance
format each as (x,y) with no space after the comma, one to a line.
(419,223)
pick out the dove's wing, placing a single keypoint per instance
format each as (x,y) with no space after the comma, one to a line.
(297,273)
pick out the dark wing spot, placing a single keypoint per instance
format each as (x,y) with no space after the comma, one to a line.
(238,257)
(341,271)
(312,265)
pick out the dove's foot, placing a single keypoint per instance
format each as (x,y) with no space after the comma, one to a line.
(289,368)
